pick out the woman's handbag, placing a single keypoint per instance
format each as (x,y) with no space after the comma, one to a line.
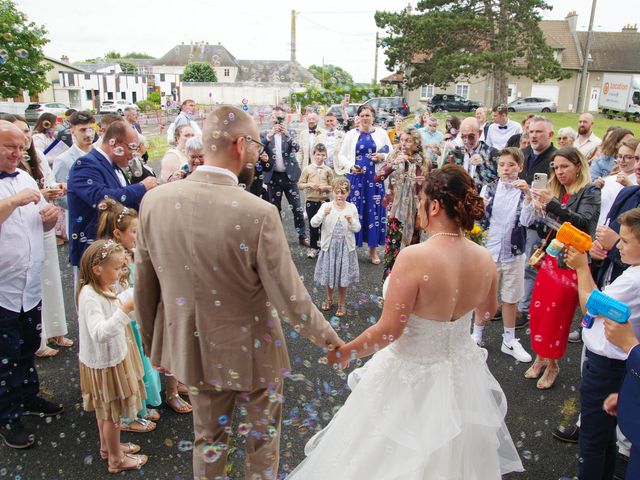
(538,255)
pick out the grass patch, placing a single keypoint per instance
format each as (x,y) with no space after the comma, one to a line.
(158,146)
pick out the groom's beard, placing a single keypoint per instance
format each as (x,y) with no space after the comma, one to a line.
(246,176)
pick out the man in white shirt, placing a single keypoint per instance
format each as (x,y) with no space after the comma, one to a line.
(24,217)
(587,141)
(502,128)
(332,138)
(308,138)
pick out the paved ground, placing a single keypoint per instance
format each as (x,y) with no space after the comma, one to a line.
(67,446)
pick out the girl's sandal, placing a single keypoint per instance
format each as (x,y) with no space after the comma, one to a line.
(139,425)
(342,311)
(153,415)
(61,341)
(46,352)
(548,379)
(177,404)
(138,462)
(183,389)
(129,448)
(535,370)
(326,305)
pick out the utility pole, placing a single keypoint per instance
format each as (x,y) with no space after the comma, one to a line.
(375,67)
(292,73)
(585,61)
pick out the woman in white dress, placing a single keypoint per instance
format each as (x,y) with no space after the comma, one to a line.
(54,320)
(425,406)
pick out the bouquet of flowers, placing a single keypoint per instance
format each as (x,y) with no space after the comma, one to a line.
(477,235)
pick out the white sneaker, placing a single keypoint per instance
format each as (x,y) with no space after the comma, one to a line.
(515,350)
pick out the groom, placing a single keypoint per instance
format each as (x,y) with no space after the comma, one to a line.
(214,276)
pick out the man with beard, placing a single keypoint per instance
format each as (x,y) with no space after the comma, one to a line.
(211,282)
(307,140)
(587,141)
(476,157)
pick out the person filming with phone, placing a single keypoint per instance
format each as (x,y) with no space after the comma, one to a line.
(569,197)
(537,159)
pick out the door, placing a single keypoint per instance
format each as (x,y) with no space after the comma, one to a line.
(552,92)
(511,93)
(593,99)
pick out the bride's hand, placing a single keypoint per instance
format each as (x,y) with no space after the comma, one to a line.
(338,355)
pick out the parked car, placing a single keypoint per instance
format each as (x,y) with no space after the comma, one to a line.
(452,103)
(336,109)
(116,106)
(34,110)
(387,108)
(533,104)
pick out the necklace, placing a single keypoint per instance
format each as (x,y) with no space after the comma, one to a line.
(444,234)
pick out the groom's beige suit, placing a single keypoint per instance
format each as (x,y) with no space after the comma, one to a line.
(213,278)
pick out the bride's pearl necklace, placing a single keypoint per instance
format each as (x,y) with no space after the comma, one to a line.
(444,234)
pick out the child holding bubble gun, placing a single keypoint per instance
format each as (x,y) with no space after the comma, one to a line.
(605,365)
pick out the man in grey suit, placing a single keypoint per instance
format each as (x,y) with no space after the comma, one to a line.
(214,276)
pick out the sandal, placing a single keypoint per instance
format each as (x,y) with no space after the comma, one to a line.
(183,389)
(177,404)
(326,305)
(536,369)
(139,425)
(153,415)
(548,379)
(140,461)
(46,352)
(375,260)
(342,311)
(124,448)
(61,341)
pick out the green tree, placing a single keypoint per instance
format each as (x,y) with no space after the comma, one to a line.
(22,64)
(449,40)
(112,55)
(138,55)
(331,76)
(199,72)
(128,67)
(154,97)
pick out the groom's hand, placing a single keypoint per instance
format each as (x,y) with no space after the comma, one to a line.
(338,355)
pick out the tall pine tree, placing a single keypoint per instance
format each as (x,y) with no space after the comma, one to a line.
(448,40)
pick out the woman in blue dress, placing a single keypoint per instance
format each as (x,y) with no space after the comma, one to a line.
(363,151)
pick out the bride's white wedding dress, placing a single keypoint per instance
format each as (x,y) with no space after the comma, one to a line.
(424,407)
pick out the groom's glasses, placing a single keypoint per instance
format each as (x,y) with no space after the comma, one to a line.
(249,138)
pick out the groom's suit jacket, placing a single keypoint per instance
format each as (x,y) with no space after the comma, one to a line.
(213,278)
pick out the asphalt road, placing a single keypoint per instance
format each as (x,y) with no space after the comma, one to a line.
(67,447)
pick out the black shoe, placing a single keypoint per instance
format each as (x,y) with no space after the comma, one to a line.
(568,434)
(39,407)
(15,435)
(620,472)
(522,320)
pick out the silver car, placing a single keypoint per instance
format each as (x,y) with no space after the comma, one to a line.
(533,104)
(34,110)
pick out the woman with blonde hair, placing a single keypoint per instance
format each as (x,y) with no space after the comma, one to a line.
(569,197)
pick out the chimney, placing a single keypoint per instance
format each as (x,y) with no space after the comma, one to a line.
(64,58)
(630,28)
(572,20)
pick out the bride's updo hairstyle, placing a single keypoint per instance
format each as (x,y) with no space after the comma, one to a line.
(456,191)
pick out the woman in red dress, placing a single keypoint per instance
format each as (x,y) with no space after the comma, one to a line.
(569,197)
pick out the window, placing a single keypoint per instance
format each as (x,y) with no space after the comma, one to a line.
(87,76)
(462,89)
(426,91)
(109,95)
(162,77)
(88,94)
(123,95)
(72,79)
(226,72)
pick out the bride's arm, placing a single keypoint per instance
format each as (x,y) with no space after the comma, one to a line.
(487,309)
(398,305)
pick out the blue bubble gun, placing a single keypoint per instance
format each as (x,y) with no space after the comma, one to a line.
(600,304)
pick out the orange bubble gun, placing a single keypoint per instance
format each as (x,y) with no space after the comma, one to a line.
(570,236)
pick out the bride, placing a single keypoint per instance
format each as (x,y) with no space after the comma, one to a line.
(425,406)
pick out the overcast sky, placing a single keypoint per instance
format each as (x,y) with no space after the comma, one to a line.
(342,32)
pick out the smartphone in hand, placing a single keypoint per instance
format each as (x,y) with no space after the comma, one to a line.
(539,181)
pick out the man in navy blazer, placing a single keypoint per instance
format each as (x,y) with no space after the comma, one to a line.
(98,175)
(626,404)
(282,179)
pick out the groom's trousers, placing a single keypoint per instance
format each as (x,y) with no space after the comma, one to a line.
(260,414)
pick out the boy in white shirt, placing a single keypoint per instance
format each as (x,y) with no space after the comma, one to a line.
(506,242)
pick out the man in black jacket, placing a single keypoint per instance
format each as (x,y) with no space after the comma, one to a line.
(537,159)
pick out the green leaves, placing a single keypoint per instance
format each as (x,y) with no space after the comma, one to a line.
(446,41)
(22,65)
(331,76)
(199,72)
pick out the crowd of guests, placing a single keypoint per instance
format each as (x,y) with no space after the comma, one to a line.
(354,183)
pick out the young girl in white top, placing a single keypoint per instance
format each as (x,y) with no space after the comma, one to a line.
(110,367)
(337,265)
